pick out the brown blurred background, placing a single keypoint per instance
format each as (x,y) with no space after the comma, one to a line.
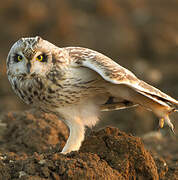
(141,35)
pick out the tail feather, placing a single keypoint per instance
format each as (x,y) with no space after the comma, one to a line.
(158,99)
(145,88)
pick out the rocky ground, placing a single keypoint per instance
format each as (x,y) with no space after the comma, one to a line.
(30,145)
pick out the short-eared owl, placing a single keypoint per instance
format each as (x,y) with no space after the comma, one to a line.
(77,83)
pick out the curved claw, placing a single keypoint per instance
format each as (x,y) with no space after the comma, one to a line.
(161,123)
(168,122)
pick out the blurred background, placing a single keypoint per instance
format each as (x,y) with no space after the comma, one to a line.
(141,35)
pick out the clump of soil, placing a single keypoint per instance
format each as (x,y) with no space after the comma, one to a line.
(31,132)
(31,143)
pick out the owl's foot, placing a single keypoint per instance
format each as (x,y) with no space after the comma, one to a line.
(168,122)
(161,123)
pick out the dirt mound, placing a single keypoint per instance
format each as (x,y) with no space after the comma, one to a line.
(31,143)
(32,131)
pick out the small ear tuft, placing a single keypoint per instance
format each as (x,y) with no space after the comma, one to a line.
(38,38)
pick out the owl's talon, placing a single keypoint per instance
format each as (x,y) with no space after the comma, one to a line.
(161,123)
(172,129)
(169,123)
(171,126)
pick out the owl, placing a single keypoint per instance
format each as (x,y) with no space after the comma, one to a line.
(77,83)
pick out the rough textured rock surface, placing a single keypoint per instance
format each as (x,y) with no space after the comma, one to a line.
(31,143)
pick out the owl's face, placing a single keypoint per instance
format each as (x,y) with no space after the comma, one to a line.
(30,56)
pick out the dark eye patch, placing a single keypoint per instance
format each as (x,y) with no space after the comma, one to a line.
(16,58)
(42,57)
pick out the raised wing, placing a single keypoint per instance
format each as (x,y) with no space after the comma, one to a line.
(116,74)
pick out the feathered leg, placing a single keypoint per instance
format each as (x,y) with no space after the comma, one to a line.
(77,131)
(76,117)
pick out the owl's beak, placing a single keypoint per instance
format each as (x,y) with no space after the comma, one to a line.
(28,67)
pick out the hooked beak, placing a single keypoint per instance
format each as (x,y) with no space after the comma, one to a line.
(28,67)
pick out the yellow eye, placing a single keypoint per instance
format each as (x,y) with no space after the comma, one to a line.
(19,57)
(39,58)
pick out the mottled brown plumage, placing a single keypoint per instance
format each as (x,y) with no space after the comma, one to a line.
(77,83)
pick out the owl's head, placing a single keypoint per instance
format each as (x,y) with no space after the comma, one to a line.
(30,56)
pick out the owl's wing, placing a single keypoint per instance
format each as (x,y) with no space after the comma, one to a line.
(116,74)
